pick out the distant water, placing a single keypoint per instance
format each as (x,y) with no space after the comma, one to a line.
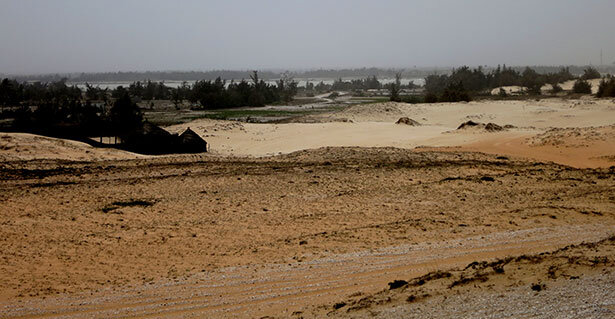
(301,82)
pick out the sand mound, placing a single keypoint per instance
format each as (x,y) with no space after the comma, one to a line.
(468,124)
(510,90)
(407,121)
(489,127)
(389,111)
(23,146)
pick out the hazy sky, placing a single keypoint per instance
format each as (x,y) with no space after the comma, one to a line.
(94,35)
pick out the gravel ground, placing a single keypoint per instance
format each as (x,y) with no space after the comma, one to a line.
(586,297)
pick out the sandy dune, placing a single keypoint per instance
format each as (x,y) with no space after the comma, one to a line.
(372,125)
(24,147)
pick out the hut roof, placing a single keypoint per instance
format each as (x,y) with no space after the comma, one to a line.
(154,130)
(190,136)
(192,141)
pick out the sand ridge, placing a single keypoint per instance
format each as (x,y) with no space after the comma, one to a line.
(24,147)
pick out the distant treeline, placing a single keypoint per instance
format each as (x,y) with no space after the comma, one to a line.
(368,83)
(389,73)
(209,94)
(56,109)
(216,94)
(141,76)
(463,82)
(61,110)
(368,72)
(225,75)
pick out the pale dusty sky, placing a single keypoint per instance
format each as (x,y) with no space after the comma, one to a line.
(45,36)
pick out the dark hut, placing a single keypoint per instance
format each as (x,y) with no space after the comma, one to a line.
(151,139)
(154,140)
(191,142)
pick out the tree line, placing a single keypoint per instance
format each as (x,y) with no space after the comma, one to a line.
(463,82)
(209,94)
(58,109)
(218,93)
(415,72)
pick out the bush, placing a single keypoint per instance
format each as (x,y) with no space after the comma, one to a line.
(607,87)
(532,81)
(455,92)
(582,86)
(394,89)
(556,89)
(431,98)
(502,93)
(590,73)
(413,99)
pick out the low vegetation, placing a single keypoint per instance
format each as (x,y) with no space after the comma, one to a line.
(465,81)
(606,87)
(582,86)
(57,109)
(590,73)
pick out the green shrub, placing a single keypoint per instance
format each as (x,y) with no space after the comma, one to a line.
(532,81)
(394,89)
(607,87)
(590,73)
(582,86)
(413,99)
(556,88)
(431,98)
(502,93)
(454,92)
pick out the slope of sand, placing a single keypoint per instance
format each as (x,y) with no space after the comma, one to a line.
(23,146)
(372,125)
(577,147)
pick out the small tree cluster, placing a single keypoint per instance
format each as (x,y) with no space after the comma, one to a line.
(582,86)
(477,81)
(13,93)
(357,84)
(150,90)
(453,92)
(217,94)
(607,87)
(590,73)
(395,88)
